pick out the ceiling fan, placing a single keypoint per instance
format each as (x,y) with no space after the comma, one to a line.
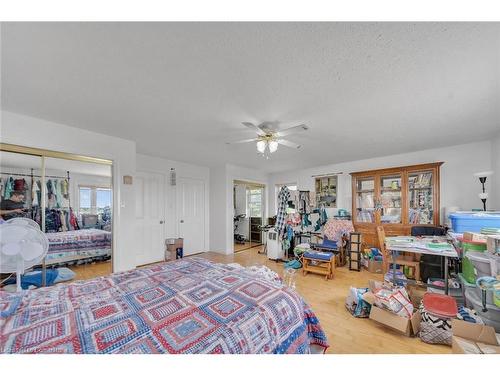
(268,138)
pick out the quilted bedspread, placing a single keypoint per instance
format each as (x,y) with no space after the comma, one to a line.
(187,306)
(92,242)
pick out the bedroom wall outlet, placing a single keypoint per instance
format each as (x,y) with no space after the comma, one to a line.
(127,180)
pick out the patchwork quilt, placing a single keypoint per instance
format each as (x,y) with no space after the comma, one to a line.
(89,242)
(188,306)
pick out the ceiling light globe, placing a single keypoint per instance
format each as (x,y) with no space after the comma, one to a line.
(273,146)
(261,146)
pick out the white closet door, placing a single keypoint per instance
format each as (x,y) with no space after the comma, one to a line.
(150,214)
(191,214)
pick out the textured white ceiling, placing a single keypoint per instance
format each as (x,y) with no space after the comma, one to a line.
(181,90)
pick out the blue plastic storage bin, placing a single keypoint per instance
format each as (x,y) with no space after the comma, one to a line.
(473,222)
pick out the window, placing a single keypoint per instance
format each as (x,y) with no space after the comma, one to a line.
(93,199)
(254,199)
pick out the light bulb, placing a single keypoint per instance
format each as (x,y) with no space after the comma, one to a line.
(273,146)
(261,146)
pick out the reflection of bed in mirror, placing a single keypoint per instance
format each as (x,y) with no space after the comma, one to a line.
(79,246)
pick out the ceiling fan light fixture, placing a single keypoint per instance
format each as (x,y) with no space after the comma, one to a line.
(273,146)
(261,146)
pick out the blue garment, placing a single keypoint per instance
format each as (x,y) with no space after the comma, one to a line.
(35,278)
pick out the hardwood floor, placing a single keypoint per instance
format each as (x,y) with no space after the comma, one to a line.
(89,271)
(346,334)
(243,246)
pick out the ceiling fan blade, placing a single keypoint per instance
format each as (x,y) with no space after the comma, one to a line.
(243,141)
(269,127)
(286,143)
(293,129)
(254,127)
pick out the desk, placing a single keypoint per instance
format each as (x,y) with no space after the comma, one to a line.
(449,253)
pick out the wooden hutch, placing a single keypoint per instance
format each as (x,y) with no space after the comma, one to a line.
(396,198)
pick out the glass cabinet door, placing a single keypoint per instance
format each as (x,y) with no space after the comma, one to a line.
(390,199)
(365,200)
(420,197)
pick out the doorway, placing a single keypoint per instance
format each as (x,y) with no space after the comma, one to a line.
(249,214)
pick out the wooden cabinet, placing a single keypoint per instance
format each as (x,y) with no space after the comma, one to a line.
(396,198)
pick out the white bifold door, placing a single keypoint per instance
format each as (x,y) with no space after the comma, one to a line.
(185,216)
(191,214)
(150,215)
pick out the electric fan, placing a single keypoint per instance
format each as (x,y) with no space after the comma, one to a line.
(23,221)
(22,246)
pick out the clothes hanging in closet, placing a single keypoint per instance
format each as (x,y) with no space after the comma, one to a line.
(8,188)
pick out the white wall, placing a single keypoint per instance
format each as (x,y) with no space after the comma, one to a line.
(495,192)
(147,163)
(458,186)
(33,132)
(218,209)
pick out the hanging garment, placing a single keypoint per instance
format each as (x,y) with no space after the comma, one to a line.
(304,206)
(293,219)
(57,186)
(72,220)
(9,188)
(65,188)
(51,194)
(20,184)
(323,216)
(36,193)
(312,199)
(62,214)
(283,198)
(294,199)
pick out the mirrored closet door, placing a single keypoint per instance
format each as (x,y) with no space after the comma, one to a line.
(249,209)
(70,197)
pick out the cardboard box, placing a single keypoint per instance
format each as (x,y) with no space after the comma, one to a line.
(416,294)
(471,338)
(374,266)
(405,326)
(474,237)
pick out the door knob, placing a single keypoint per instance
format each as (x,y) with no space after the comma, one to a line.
(182,221)
(161,221)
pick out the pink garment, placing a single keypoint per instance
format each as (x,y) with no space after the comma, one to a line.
(334,229)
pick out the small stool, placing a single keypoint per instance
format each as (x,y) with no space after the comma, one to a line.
(325,267)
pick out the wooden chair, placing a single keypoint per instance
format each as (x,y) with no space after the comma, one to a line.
(387,258)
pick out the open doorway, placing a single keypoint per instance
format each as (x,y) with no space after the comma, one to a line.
(249,214)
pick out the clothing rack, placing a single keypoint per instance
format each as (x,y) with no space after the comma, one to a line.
(35,175)
(32,176)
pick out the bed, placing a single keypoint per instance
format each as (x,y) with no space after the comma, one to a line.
(187,306)
(78,245)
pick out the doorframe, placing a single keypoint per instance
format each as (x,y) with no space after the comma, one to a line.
(264,187)
(205,211)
